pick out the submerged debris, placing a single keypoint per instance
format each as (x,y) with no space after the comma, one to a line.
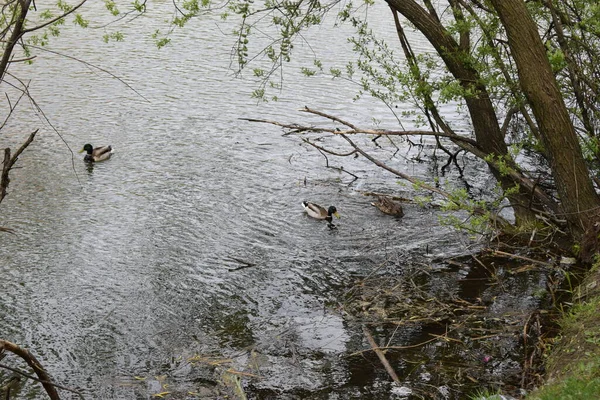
(484,332)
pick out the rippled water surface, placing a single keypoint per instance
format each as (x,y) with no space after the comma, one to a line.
(123,268)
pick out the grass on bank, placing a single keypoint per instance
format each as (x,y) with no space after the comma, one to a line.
(573,366)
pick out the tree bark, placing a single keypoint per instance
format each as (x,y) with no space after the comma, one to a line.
(483,115)
(580,203)
(15,36)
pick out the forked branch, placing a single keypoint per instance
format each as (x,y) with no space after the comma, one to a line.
(8,163)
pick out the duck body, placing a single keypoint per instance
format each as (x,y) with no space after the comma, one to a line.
(388,206)
(316,211)
(96,154)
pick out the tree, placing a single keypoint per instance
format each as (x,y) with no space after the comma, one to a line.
(579,201)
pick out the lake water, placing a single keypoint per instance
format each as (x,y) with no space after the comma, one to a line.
(129,268)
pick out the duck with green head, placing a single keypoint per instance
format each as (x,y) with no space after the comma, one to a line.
(316,211)
(97,154)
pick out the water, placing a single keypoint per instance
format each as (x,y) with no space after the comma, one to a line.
(130,267)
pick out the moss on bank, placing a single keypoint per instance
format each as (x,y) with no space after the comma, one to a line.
(573,366)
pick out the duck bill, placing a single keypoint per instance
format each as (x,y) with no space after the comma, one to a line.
(336,214)
(81,151)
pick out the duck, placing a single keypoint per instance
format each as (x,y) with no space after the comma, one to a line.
(97,154)
(388,206)
(316,211)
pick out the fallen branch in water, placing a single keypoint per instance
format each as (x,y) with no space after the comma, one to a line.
(412,346)
(509,255)
(381,356)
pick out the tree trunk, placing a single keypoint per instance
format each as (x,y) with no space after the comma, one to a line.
(483,115)
(23,7)
(579,201)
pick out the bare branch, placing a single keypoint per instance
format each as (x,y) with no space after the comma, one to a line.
(323,150)
(396,172)
(11,107)
(9,162)
(34,364)
(355,130)
(22,59)
(333,153)
(328,116)
(93,67)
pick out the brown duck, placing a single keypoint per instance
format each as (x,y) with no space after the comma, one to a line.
(388,206)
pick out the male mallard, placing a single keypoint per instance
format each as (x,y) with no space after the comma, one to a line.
(101,153)
(318,212)
(388,206)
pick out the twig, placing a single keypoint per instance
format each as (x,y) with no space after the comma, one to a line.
(396,172)
(43,114)
(316,146)
(502,253)
(245,264)
(41,381)
(381,356)
(91,66)
(391,197)
(323,150)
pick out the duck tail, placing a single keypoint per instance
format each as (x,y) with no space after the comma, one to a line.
(305,204)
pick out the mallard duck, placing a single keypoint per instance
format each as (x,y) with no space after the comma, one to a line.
(388,206)
(97,154)
(318,212)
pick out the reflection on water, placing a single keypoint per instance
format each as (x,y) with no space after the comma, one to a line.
(119,268)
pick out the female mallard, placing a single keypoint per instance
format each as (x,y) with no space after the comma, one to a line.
(318,212)
(388,206)
(101,153)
